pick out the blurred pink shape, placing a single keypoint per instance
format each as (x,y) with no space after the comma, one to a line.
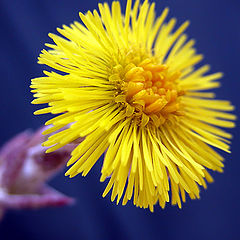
(24,170)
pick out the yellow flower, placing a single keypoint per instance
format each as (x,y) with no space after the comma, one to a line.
(128,84)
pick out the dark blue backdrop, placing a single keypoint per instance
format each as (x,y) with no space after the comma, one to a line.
(24,28)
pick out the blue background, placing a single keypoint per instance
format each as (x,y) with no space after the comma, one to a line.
(24,28)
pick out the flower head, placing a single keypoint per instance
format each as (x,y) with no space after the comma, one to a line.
(129,85)
(24,170)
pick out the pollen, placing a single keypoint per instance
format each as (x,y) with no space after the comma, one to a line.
(149,91)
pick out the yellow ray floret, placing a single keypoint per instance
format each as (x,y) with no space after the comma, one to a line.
(128,84)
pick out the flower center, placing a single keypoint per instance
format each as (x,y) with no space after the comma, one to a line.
(149,91)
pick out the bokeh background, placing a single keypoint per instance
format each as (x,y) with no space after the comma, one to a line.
(25,24)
